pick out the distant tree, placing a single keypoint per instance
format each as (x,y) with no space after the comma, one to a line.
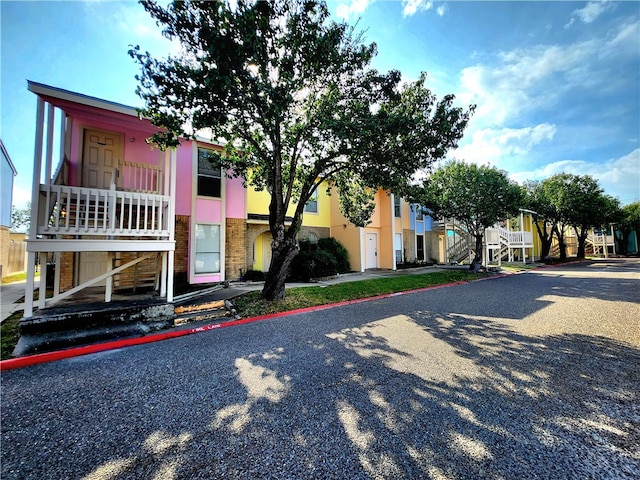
(583,205)
(557,192)
(628,222)
(20,218)
(477,196)
(544,214)
(292,96)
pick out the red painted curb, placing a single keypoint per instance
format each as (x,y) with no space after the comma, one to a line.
(36,359)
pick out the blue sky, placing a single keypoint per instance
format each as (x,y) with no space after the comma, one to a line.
(556,84)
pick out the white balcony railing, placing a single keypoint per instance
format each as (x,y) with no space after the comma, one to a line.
(495,237)
(140,177)
(90,211)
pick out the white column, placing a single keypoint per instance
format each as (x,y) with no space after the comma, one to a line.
(35,196)
(613,237)
(56,282)
(42,291)
(393,231)
(163,275)
(30,285)
(363,257)
(49,156)
(108,289)
(172,222)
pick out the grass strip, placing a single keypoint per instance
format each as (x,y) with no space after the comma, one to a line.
(250,304)
(9,335)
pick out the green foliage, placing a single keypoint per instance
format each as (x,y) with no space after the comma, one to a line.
(254,276)
(325,258)
(477,196)
(20,218)
(293,97)
(631,216)
(337,251)
(9,335)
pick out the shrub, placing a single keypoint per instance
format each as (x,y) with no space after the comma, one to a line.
(337,251)
(254,276)
(323,259)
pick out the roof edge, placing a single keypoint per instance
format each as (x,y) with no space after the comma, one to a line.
(68,95)
(8,157)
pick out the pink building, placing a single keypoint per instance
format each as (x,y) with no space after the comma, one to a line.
(110,210)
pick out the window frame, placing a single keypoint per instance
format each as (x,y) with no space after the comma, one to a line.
(196,251)
(313,199)
(397,207)
(203,176)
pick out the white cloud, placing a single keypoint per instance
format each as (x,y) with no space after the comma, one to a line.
(525,79)
(498,146)
(441,10)
(411,7)
(352,8)
(590,12)
(619,177)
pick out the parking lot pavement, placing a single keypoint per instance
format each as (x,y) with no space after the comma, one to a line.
(527,376)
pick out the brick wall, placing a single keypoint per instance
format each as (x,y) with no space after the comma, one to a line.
(66,271)
(181,255)
(235,248)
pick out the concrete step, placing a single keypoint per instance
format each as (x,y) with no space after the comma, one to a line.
(55,329)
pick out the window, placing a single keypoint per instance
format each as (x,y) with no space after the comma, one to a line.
(207,249)
(396,206)
(312,204)
(209,173)
(419,214)
(398,247)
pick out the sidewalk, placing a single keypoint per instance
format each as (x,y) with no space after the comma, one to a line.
(10,293)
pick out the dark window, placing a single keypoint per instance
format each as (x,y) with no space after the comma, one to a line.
(312,204)
(396,207)
(420,247)
(209,173)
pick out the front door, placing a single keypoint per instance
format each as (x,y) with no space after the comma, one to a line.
(266,251)
(101,153)
(371,250)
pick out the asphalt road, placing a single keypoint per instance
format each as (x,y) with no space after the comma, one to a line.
(534,375)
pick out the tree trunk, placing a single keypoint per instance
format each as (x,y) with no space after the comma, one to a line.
(282,254)
(545,240)
(476,264)
(582,240)
(563,246)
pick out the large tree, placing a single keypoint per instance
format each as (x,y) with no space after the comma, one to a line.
(293,98)
(477,196)
(581,204)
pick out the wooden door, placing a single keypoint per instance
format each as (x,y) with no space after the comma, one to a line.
(101,153)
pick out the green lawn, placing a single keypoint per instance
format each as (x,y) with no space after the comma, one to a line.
(9,335)
(250,304)
(18,277)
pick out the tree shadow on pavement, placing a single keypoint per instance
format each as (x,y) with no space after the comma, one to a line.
(417,395)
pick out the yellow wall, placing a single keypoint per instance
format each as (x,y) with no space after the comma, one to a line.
(258,202)
(384,205)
